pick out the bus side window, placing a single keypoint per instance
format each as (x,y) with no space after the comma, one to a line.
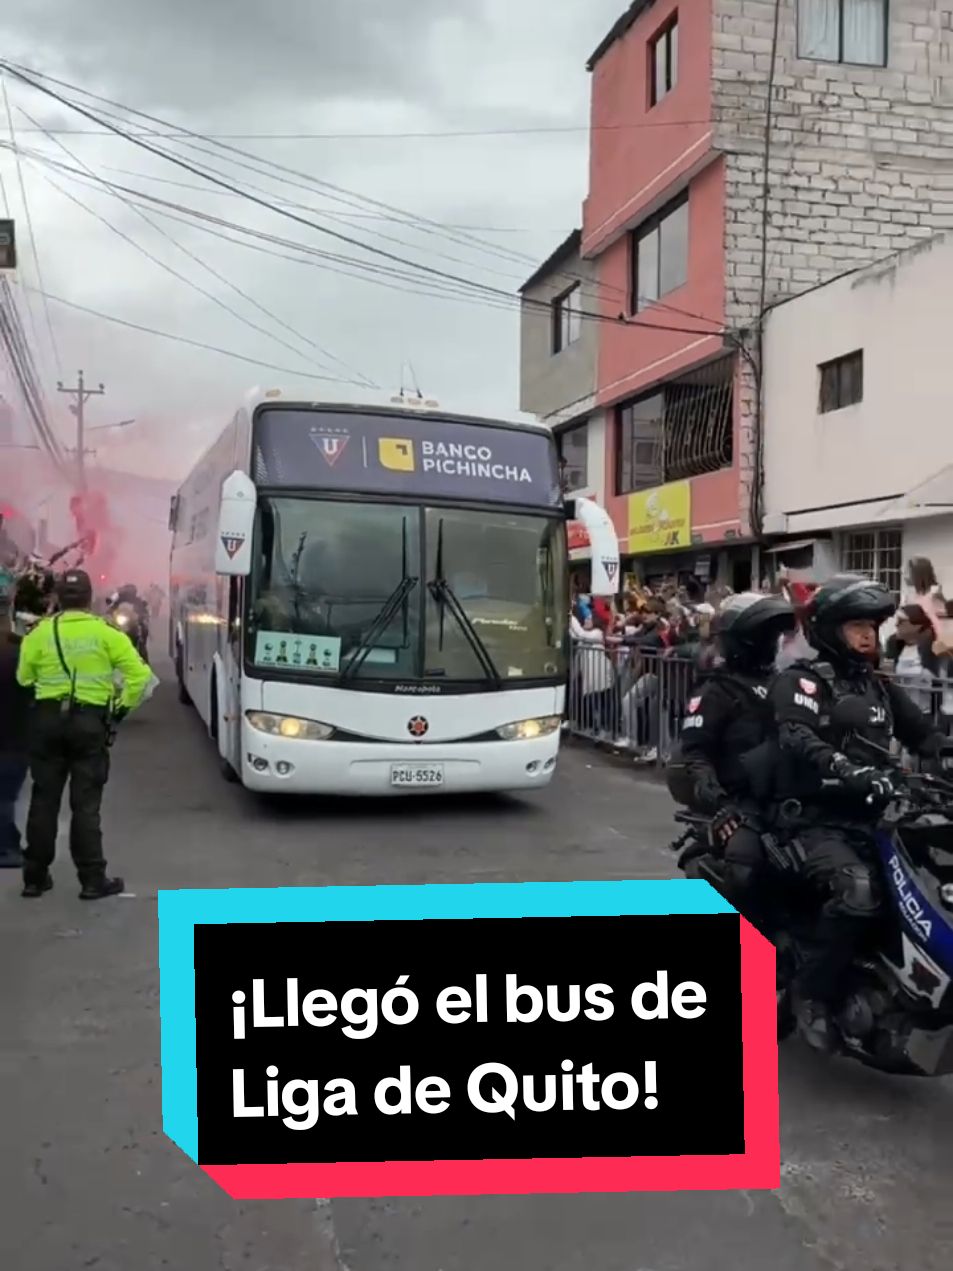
(234,611)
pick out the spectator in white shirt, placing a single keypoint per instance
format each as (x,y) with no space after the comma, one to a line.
(910,652)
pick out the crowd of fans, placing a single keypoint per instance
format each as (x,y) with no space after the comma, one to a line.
(638,655)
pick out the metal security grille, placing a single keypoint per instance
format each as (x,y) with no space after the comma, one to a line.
(685,429)
(877,554)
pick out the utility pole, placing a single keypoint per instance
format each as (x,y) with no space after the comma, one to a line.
(82,395)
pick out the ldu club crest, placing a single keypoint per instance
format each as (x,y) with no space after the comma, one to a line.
(332,444)
(232,544)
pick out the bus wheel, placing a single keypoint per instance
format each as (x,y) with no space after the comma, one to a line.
(180,676)
(227,771)
(224,767)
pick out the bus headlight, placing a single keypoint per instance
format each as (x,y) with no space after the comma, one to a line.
(946,895)
(527,729)
(289,726)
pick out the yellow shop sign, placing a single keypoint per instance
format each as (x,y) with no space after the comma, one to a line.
(660,519)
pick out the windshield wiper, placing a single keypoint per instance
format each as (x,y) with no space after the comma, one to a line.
(394,601)
(447,598)
(378,626)
(297,590)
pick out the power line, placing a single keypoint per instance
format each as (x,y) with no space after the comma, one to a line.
(196,344)
(367,216)
(447,285)
(23,370)
(591,285)
(408,135)
(260,167)
(169,269)
(32,236)
(436,134)
(338,193)
(201,290)
(253,198)
(738,115)
(483,289)
(205,221)
(421,224)
(349,199)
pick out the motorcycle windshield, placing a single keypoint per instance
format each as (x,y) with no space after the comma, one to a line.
(930,847)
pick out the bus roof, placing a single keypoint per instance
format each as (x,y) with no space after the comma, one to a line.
(276,397)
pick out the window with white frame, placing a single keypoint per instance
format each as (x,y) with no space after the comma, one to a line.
(849,31)
(877,554)
(567,318)
(660,251)
(663,65)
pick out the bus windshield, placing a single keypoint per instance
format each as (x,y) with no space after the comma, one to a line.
(386,591)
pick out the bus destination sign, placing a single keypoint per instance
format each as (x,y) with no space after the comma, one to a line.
(424,458)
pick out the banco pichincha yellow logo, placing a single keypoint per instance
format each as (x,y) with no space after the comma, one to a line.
(396,453)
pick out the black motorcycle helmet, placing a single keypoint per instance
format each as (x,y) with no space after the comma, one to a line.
(845,598)
(748,627)
(74,590)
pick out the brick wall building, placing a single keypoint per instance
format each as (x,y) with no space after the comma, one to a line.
(732,205)
(860,156)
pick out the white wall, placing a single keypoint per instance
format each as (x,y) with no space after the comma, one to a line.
(596,460)
(901,314)
(595,486)
(932,537)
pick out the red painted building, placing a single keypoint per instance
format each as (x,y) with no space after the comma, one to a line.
(654,228)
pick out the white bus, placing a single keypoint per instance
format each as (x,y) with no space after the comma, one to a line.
(372,600)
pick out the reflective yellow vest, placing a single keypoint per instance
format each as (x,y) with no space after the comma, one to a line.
(93,651)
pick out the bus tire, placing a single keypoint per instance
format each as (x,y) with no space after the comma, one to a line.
(184,697)
(226,770)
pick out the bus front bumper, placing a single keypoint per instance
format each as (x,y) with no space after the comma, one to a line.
(380,769)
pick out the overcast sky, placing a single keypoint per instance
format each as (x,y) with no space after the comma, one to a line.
(295,66)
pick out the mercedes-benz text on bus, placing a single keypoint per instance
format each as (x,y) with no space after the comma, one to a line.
(373,600)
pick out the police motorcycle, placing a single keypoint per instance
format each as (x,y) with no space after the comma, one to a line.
(897,1015)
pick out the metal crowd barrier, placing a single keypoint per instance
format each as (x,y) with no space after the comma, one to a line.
(628,699)
(635,701)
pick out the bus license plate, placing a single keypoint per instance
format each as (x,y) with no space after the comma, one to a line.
(417,774)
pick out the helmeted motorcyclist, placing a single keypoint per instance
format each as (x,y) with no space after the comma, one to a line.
(725,762)
(128,595)
(819,706)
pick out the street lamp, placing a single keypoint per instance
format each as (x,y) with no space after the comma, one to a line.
(123,423)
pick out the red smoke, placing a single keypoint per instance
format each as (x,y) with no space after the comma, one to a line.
(90,513)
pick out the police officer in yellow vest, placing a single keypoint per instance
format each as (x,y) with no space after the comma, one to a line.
(71,660)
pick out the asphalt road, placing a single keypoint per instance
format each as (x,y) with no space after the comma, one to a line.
(88,1180)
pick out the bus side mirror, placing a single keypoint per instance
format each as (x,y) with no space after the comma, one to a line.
(236,522)
(173,513)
